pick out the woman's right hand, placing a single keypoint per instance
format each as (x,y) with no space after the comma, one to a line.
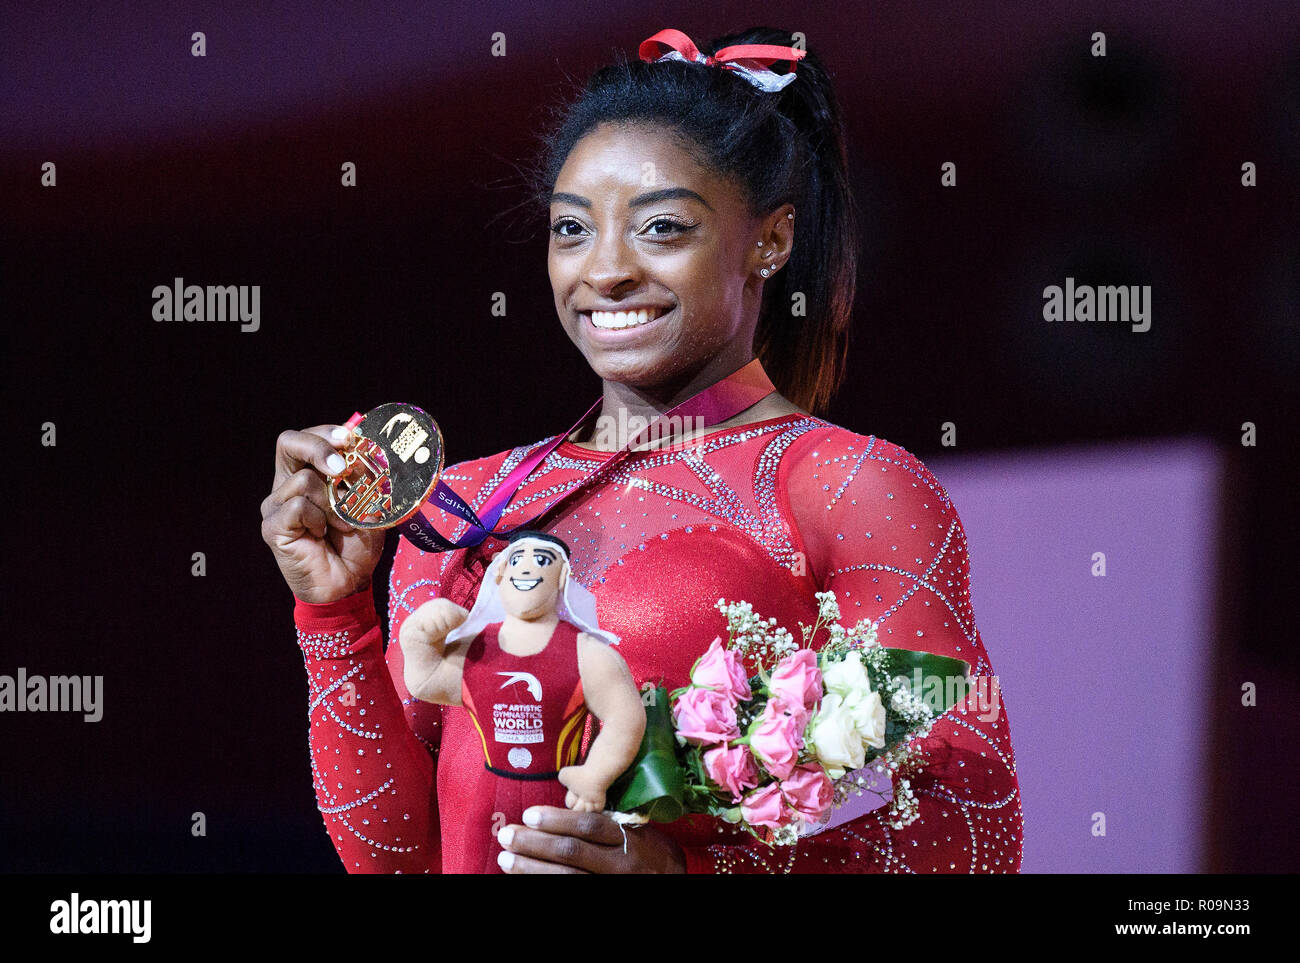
(321,557)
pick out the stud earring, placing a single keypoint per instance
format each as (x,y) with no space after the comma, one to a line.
(765,272)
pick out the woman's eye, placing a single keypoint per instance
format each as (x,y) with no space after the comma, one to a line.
(558,228)
(664,226)
(541,560)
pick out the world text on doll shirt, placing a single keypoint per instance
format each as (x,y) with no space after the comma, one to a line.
(769,513)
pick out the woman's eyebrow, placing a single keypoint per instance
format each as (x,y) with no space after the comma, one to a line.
(667,193)
(663,194)
(564,197)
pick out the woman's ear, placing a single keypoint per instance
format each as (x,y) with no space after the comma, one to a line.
(497,566)
(564,577)
(775,241)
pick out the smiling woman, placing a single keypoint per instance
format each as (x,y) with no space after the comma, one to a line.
(702,240)
(697,178)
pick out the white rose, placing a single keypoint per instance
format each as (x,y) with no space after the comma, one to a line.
(868,718)
(835,739)
(846,677)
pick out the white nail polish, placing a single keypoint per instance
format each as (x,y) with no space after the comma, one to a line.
(532,817)
(506,836)
(505,860)
(339,434)
(335,463)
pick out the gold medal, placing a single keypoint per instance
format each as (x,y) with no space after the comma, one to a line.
(393,463)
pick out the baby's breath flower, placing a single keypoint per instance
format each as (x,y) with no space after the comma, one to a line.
(905,808)
(828,608)
(906,704)
(786,835)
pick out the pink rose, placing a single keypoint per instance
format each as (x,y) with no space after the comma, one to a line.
(809,792)
(705,717)
(731,768)
(719,669)
(778,737)
(765,808)
(797,678)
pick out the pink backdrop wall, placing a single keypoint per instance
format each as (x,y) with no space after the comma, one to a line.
(1100,675)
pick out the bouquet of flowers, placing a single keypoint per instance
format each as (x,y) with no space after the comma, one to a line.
(778,747)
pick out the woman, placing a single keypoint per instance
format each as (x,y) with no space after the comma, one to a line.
(700,217)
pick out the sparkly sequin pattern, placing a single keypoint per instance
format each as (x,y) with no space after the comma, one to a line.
(771,513)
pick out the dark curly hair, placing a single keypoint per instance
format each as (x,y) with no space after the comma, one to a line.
(785,147)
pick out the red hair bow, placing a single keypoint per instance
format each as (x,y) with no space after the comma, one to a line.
(753,61)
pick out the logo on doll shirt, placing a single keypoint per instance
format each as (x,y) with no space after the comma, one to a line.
(531,681)
(519,722)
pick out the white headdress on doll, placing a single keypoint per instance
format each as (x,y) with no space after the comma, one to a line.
(575,604)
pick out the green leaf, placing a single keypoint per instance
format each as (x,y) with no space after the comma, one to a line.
(938,681)
(654,783)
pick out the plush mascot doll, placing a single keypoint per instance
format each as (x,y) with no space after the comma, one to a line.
(528,663)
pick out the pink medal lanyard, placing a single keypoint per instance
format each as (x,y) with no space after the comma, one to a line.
(719,402)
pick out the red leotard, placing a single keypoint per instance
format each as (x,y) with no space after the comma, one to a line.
(770,513)
(526,737)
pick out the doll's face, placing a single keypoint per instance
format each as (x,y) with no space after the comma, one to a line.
(639,226)
(530,579)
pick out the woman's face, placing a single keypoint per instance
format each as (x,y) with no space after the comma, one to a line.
(637,225)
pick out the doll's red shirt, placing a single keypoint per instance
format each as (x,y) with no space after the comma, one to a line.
(528,710)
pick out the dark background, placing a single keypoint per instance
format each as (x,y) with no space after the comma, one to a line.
(225,170)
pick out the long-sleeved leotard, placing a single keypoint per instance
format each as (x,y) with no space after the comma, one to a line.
(770,513)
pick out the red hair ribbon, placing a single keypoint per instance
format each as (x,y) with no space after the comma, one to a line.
(753,61)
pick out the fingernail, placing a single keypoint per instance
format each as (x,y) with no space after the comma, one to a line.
(532,817)
(339,434)
(335,463)
(506,835)
(505,860)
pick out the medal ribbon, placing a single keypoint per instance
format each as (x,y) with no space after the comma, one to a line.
(717,403)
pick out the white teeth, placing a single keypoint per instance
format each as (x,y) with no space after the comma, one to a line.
(525,585)
(623,319)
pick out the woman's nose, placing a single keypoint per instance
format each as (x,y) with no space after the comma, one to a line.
(610,262)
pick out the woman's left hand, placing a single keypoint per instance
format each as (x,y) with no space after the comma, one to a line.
(562,841)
